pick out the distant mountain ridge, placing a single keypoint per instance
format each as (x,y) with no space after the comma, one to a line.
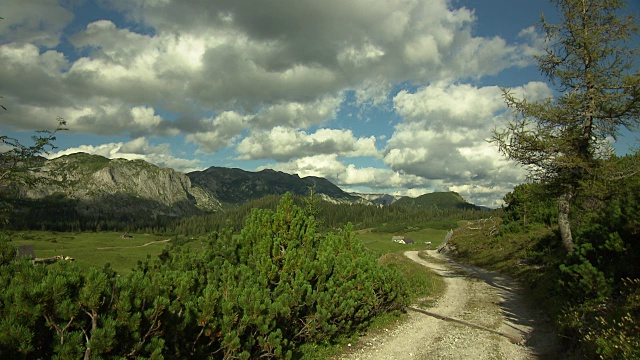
(235,186)
(84,186)
(377,199)
(438,201)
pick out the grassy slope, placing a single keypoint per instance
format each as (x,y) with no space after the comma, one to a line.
(479,243)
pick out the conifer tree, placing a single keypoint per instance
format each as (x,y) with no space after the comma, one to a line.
(590,62)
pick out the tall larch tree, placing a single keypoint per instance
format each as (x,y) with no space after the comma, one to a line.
(592,64)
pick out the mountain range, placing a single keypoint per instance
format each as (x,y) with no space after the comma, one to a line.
(98,186)
(236,186)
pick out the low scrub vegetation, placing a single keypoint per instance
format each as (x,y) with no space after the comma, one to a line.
(278,285)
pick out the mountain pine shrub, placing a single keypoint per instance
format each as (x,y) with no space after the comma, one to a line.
(283,284)
(262,294)
(601,277)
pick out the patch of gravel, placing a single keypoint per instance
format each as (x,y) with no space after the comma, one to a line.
(473,295)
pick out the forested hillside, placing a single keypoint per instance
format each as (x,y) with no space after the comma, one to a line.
(438,201)
(93,193)
(390,218)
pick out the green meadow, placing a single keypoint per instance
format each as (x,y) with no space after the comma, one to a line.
(93,249)
(380,243)
(98,248)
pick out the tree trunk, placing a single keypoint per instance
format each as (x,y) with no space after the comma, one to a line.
(94,325)
(564,224)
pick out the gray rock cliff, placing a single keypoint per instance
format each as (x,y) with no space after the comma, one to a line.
(120,185)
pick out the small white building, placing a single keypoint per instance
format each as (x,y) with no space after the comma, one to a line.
(402,240)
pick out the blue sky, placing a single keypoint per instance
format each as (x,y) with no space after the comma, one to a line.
(394,96)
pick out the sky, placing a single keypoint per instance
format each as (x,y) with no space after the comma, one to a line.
(377,96)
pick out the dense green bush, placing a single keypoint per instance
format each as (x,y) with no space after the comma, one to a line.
(261,294)
(609,328)
(529,204)
(601,277)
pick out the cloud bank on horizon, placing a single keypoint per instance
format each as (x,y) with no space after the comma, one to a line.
(396,96)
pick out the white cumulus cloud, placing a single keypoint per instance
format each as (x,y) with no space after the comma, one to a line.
(270,81)
(137,149)
(282,144)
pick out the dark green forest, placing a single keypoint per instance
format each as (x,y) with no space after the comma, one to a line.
(37,215)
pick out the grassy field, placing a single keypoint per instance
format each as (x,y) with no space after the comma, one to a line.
(380,243)
(93,249)
(96,249)
(424,284)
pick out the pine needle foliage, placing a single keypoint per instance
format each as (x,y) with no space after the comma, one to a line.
(263,294)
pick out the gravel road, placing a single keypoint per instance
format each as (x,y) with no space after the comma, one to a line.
(472,295)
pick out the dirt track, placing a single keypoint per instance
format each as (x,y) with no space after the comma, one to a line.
(131,247)
(472,295)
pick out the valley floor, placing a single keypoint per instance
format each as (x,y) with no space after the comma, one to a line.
(473,295)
